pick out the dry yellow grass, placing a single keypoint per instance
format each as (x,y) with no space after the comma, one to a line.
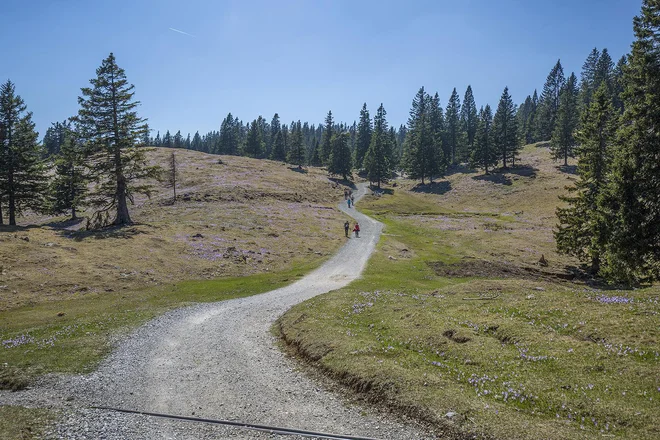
(235,218)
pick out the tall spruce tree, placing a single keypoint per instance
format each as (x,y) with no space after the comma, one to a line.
(196,143)
(22,171)
(563,140)
(229,139)
(177,140)
(469,120)
(363,136)
(68,188)
(582,229)
(633,252)
(549,105)
(618,86)
(588,79)
(437,159)
(377,161)
(453,126)
(55,136)
(297,147)
(326,139)
(253,143)
(418,145)
(167,140)
(604,71)
(112,129)
(340,155)
(484,154)
(505,129)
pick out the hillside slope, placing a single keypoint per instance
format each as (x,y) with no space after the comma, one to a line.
(238,217)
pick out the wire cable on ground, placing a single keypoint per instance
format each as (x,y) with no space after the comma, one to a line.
(252,426)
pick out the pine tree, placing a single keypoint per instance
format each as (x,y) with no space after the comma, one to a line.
(469,119)
(112,129)
(167,140)
(436,157)
(617,83)
(582,228)
(68,189)
(604,71)
(196,143)
(54,137)
(22,171)
(157,141)
(315,156)
(549,105)
(187,144)
(418,145)
(563,140)
(177,140)
(633,252)
(505,129)
(377,161)
(453,126)
(253,143)
(588,79)
(297,148)
(228,142)
(340,155)
(326,140)
(363,136)
(276,149)
(484,154)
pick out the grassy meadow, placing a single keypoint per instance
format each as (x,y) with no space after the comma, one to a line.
(238,228)
(456,322)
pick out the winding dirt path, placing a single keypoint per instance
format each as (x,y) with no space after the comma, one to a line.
(220,361)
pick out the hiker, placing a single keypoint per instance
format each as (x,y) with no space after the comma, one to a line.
(345,193)
(356,229)
(349,202)
(352,200)
(347,226)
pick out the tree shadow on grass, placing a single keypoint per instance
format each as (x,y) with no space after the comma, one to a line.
(343,182)
(522,170)
(125,231)
(70,224)
(17,228)
(497,178)
(568,169)
(460,169)
(438,188)
(300,170)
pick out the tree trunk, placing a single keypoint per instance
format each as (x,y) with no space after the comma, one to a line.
(1,221)
(12,200)
(123,218)
(566,157)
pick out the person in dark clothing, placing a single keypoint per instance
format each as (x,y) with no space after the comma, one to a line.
(347,226)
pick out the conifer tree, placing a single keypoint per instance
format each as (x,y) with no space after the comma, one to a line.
(157,141)
(588,79)
(187,144)
(315,157)
(469,119)
(68,189)
(253,143)
(418,145)
(54,137)
(505,129)
(549,105)
(582,230)
(618,84)
(453,126)
(340,155)
(275,128)
(167,140)
(604,71)
(524,118)
(177,140)
(297,148)
(111,128)
(633,252)
(436,157)
(363,136)
(484,154)
(377,161)
(22,171)
(229,139)
(563,140)
(326,140)
(196,143)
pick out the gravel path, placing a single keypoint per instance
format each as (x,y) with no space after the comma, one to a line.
(217,361)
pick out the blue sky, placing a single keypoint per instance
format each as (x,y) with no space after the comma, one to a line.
(297,58)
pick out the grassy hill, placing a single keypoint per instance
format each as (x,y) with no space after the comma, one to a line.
(458,323)
(65,293)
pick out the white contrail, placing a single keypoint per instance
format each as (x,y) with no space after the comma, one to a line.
(181,32)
